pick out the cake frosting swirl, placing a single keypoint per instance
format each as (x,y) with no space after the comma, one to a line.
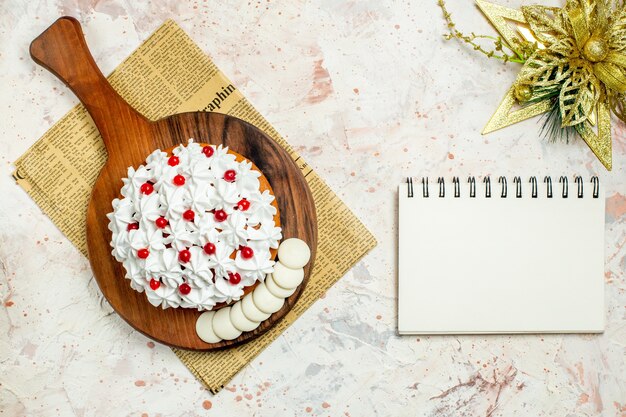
(195,228)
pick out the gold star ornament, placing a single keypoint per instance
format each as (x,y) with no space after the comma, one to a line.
(573,67)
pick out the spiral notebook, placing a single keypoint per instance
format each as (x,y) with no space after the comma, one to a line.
(510,255)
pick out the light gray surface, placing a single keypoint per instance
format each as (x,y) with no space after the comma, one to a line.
(368,93)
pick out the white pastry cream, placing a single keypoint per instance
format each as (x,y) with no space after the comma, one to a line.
(181,219)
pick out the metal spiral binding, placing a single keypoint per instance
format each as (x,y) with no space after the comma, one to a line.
(442,186)
(472,183)
(487,181)
(502,180)
(579,183)
(517,180)
(533,187)
(596,186)
(457,187)
(518,187)
(563,180)
(548,182)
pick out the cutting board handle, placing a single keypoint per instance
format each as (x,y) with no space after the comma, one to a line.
(62,50)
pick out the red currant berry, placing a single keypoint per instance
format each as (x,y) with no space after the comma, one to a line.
(184,288)
(234,278)
(154,284)
(209,248)
(208,151)
(179,180)
(146,188)
(173,161)
(132,226)
(247,252)
(161,222)
(230,175)
(189,215)
(143,253)
(184,255)
(220,215)
(243,204)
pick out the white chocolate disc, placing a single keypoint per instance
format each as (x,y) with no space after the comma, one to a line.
(222,326)
(251,311)
(265,300)
(240,321)
(204,327)
(294,253)
(276,289)
(287,278)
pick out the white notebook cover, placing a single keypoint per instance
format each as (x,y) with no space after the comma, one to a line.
(500,265)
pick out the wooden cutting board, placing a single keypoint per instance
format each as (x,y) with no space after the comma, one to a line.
(129,138)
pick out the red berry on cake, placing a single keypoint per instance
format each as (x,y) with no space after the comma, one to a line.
(189,215)
(132,226)
(143,253)
(184,288)
(179,180)
(161,222)
(154,284)
(184,255)
(209,248)
(146,188)
(234,278)
(247,252)
(173,161)
(243,204)
(230,175)
(220,215)
(208,151)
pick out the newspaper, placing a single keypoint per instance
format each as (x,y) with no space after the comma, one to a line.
(169,74)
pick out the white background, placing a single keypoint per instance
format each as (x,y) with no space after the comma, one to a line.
(368,93)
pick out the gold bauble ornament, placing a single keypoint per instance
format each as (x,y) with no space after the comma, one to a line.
(596,49)
(523,92)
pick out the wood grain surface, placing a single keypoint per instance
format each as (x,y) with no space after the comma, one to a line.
(129,138)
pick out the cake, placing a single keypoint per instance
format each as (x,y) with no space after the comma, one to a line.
(197,227)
